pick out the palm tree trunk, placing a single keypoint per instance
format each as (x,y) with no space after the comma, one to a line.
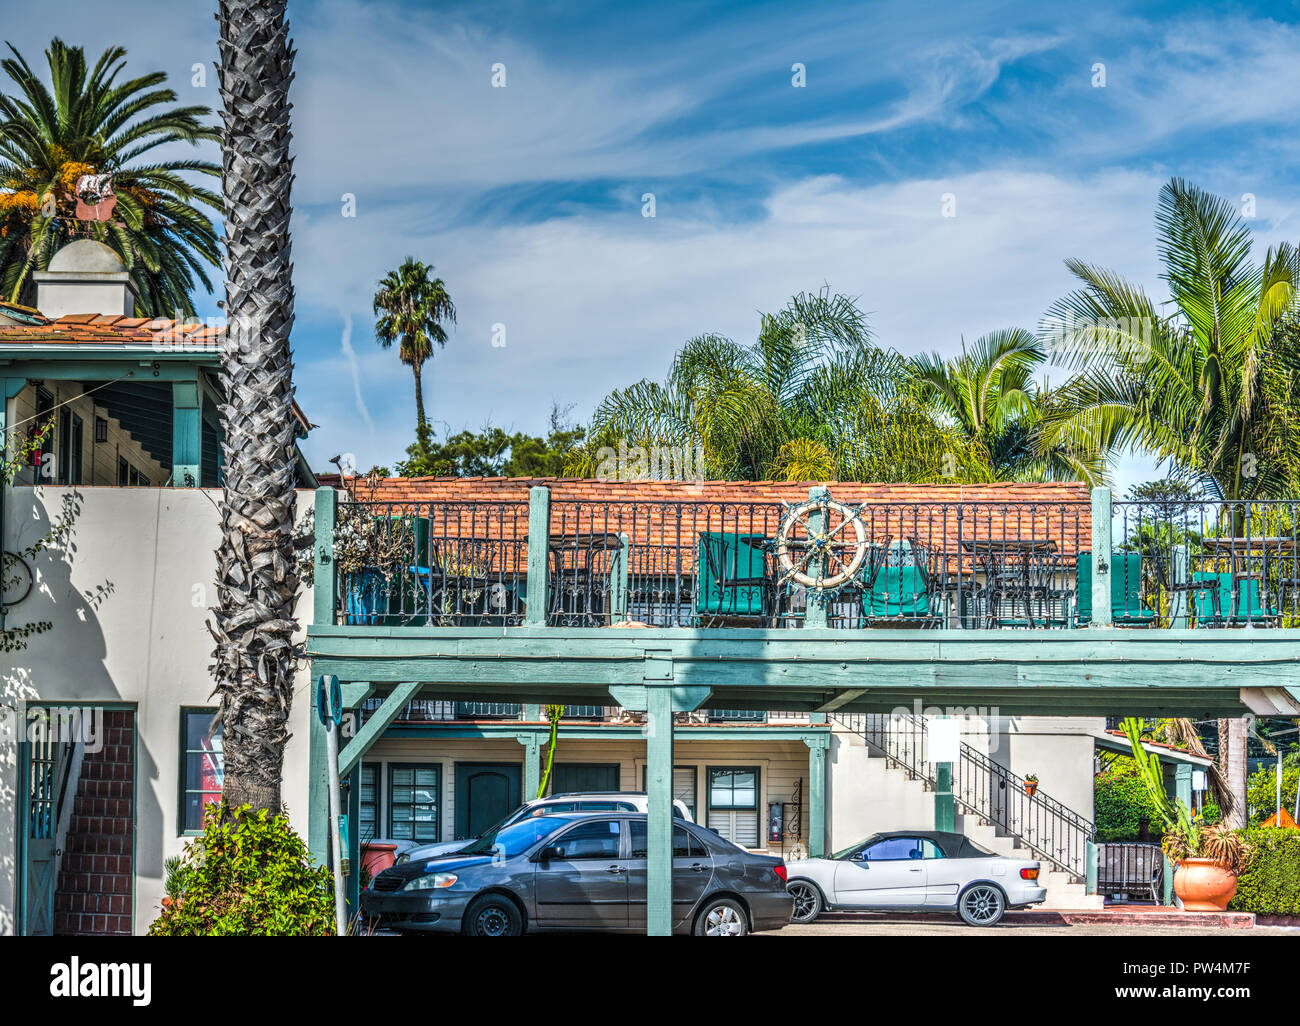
(1232,761)
(256,581)
(421,425)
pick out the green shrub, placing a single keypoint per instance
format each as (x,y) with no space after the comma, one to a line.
(249,875)
(1211,813)
(1120,802)
(1261,792)
(1271,884)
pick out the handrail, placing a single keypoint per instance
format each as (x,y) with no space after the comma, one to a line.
(1041,823)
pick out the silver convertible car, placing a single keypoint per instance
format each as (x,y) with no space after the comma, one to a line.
(914,871)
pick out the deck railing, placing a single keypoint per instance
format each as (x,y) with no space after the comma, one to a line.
(430,710)
(925,565)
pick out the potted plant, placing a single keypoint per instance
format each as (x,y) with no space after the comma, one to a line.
(1208,859)
(1031,784)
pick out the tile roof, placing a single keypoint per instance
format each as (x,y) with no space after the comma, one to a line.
(118,331)
(664,518)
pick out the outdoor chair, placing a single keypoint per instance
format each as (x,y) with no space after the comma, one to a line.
(1127,608)
(733,579)
(1214,606)
(900,589)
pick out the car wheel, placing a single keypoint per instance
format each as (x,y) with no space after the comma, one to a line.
(493,915)
(721,918)
(981,905)
(807,901)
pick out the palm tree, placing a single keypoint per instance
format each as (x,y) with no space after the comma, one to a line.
(86,122)
(813,398)
(256,578)
(989,395)
(411,307)
(1209,387)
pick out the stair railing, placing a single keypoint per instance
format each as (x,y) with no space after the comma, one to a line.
(1047,827)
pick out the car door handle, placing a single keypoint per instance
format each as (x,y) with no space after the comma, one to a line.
(614,869)
(698,868)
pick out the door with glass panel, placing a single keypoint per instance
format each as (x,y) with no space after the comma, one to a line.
(413,802)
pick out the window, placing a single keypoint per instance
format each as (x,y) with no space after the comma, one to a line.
(893,849)
(413,802)
(594,839)
(683,787)
(44,417)
(554,808)
(69,448)
(733,803)
(101,429)
(202,767)
(685,844)
(932,850)
(123,472)
(368,816)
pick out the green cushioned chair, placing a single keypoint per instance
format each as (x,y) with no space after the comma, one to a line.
(1250,608)
(732,572)
(1126,606)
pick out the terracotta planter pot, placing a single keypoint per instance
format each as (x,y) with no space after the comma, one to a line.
(375,858)
(1204,886)
(1030,789)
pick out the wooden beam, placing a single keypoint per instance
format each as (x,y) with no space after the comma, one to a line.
(375,726)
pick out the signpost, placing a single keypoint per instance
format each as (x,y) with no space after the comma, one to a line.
(329,707)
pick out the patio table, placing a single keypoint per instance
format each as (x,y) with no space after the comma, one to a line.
(577,597)
(1017,569)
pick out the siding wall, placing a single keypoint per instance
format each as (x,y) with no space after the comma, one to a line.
(781,765)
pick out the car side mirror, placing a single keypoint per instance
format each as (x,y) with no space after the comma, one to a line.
(859,856)
(551,851)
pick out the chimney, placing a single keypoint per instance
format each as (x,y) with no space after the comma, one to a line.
(84,277)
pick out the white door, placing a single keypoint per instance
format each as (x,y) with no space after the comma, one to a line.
(887,873)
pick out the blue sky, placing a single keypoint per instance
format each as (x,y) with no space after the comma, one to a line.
(528,198)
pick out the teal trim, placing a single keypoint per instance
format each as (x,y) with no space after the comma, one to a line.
(818,744)
(1101,546)
(659,799)
(324,579)
(589,732)
(9,388)
(1091,855)
(511,774)
(1168,895)
(182,776)
(376,724)
(532,743)
(539,526)
(945,803)
(187,434)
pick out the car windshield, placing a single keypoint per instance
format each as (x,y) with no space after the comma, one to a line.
(844,853)
(513,839)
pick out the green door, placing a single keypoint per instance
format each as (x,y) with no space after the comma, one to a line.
(568,777)
(39,787)
(486,792)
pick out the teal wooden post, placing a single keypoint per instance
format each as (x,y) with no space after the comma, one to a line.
(945,805)
(1168,896)
(659,804)
(324,581)
(618,580)
(1091,853)
(1101,555)
(539,540)
(318,796)
(817,794)
(187,433)
(9,388)
(532,742)
(1183,784)
(1178,574)
(532,713)
(816,615)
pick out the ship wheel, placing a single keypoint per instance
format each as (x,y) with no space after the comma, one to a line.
(820,534)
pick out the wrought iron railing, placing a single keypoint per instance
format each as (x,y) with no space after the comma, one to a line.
(1130,871)
(1206,563)
(1037,821)
(433,710)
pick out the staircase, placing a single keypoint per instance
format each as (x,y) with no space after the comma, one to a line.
(993,809)
(94,892)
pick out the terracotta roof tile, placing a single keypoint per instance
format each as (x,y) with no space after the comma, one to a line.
(109,330)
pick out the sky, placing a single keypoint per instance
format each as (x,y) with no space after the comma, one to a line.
(938,161)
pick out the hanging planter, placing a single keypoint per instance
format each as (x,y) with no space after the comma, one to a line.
(1031,785)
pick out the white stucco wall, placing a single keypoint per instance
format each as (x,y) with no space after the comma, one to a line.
(128,599)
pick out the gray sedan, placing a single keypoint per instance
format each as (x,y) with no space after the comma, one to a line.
(582,871)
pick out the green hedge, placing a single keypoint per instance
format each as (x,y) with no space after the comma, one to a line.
(1271,886)
(1120,801)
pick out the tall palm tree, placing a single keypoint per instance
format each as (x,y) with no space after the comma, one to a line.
(256,578)
(86,122)
(1208,387)
(988,393)
(813,398)
(411,307)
